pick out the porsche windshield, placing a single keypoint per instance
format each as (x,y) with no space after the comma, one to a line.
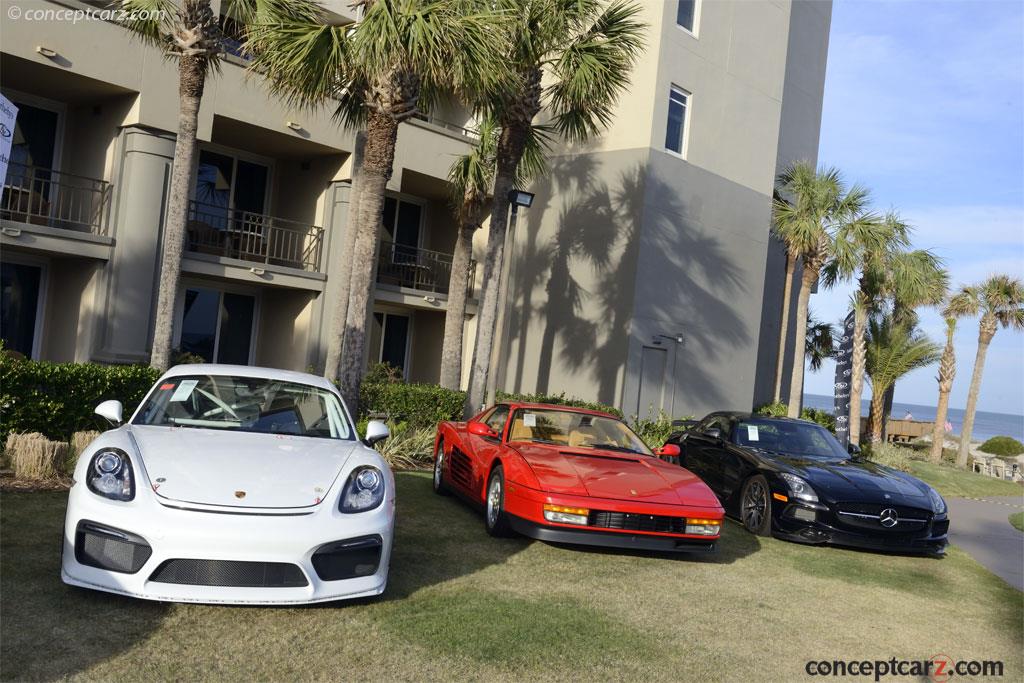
(789,438)
(575,430)
(245,404)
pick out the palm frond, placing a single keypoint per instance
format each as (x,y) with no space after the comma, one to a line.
(820,342)
(895,349)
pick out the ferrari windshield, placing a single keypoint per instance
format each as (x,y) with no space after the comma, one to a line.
(575,430)
(245,404)
(789,438)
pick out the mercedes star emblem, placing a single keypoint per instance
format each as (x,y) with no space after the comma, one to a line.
(888,517)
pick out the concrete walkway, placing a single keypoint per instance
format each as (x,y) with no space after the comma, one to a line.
(980,526)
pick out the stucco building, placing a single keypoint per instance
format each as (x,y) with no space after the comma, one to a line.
(656,232)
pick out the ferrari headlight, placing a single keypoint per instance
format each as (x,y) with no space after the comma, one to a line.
(938,505)
(363,491)
(566,515)
(110,475)
(703,527)
(798,488)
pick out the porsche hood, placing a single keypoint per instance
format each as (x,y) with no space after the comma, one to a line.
(614,475)
(238,469)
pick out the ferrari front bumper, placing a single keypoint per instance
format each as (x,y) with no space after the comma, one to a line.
(610,539)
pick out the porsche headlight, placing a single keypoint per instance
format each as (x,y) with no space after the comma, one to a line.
(938,505)
(110,475)
(798,488)
(363,491)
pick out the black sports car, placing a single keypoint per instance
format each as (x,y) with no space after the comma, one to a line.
(791,478)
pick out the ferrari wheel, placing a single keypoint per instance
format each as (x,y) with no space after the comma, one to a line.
(440,488)
(494,516)
(756,506)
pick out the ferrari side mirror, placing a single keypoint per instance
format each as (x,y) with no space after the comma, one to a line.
(669,450)
(480,429)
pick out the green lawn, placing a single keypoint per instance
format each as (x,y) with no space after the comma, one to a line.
(1017,520)
(957,483)
(462,606)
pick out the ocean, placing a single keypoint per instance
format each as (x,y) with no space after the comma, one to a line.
(986,424)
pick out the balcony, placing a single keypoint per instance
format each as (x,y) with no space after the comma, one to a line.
(420,269)
(43,196)
(248,236)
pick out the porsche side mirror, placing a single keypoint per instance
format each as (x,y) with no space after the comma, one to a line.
(853,449)
(714,433)
(376,431)
(480,429)
(669,450)
(111,411)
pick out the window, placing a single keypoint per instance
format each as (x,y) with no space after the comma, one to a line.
(224,183)
(218,325)
(678,103)
(402,228)
(390,334)
(21,287)
(686,15)
(496,420)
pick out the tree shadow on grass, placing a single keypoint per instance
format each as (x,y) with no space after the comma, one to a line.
(51,630)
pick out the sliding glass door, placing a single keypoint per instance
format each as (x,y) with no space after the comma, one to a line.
(218,325)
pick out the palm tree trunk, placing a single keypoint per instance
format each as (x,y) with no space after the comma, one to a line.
(191,81)
(857,360)
(455,316)
(796,384)
(987,331)
(510,151)
(336,339)
(378,159)
(876,417)
(947,371)
(784,326)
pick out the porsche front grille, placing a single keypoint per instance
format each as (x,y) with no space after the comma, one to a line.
(628,521)
(230,573)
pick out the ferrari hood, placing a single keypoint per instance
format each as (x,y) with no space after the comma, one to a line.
(614,475)
(239,469)
(860,480)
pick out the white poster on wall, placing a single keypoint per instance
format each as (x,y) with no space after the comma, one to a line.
(8,113)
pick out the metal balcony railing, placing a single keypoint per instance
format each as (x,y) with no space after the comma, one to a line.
(448,126)
(43,196)
(254,237)
(419,269)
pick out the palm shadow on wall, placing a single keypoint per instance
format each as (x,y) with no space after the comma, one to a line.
(600,230)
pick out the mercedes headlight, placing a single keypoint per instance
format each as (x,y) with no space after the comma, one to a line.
(798,488)
(938,505)
(363,491)
(110,475)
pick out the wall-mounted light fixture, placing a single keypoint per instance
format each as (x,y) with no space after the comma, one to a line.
(294,126)
(47,52)
(521,198)
(257,271)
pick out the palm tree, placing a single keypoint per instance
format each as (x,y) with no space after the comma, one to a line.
(189,32)
(1000,300)
(812,207)
(396,61)
(820,342)
(787,295)
(573,59)
(960,305)
(893,350)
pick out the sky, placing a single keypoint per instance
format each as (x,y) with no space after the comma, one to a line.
(923,105)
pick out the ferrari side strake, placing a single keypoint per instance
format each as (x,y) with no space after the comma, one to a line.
(574,476)
(792,479)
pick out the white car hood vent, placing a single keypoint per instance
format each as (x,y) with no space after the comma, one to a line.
(239,469)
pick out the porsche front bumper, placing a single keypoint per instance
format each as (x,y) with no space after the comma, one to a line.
(226,557)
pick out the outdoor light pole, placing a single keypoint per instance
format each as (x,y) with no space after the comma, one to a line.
(516,198)
(678,339)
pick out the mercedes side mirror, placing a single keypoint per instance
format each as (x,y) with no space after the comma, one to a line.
(480,429)
(853,449)
(714,433)
(376,431)
(110,411)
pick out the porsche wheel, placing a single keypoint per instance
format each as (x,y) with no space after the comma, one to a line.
(440,488)
(494,514)
(756,506)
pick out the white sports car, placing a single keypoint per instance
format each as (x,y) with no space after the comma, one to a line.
(236,485)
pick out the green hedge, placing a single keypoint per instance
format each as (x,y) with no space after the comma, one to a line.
(419,405)
(58,399)
(559,400)
(779,409)
(1006,446)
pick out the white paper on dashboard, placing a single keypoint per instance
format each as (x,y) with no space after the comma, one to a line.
(752,432)
(184,389)
(529,420)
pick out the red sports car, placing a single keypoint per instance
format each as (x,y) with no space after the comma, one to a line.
(570,475)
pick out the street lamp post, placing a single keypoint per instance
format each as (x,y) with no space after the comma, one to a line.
(517,198)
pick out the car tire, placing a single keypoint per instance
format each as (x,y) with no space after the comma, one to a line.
(495,519)
(440,487)
(756,506)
